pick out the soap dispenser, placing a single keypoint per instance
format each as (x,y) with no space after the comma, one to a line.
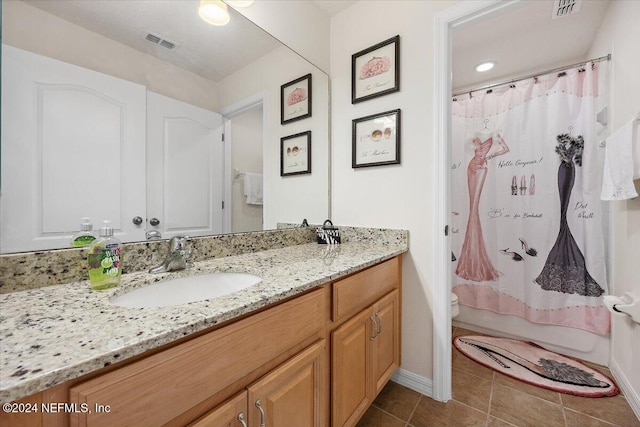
(104,258)
(86,236)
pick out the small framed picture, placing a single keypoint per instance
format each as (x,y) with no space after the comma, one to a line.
(375,71)
(295,100)
(376,140)
(295,154)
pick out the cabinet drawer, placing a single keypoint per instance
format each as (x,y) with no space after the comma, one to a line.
(157,389)
(362,289)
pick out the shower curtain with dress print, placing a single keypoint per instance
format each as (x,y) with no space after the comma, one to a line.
(527,221)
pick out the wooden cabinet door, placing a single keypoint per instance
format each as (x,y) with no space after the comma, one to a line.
(293,394)
(386,345)
(350,360)
(232,413)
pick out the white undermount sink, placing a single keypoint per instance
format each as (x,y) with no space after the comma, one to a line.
(186,289)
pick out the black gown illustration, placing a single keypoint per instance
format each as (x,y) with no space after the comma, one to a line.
(565,270)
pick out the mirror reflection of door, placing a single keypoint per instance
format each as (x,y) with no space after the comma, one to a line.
(209,67)
(74,138)
(247,193)
(185,168)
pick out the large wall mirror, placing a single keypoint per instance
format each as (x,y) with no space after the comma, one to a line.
(142,113)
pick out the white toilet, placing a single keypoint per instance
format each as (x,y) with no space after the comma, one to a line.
(455,309)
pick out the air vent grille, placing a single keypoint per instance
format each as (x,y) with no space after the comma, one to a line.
(167,44)
(153,39)
(562,8)
(160,41)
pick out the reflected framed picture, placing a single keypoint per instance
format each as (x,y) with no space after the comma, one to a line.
(295,154)
(295,100)
(376,140)
(375,71)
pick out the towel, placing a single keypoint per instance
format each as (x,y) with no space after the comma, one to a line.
(621,164)
(253,188)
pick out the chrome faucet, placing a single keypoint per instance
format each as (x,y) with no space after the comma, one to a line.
(176,257)
(153,235)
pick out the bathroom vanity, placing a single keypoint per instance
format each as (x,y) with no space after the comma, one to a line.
(311,345)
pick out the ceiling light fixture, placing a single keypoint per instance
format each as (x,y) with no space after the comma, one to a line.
(239,3)
(485,66)
(214,12)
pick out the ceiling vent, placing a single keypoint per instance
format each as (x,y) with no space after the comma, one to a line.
(562,8)
(155,39)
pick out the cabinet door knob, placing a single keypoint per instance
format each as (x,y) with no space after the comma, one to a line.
(379,323)
(374,333)
(154,221)
(262,416)
(241,420)
(137,220)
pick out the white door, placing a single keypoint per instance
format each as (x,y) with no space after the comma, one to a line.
(185,168)
(73,145)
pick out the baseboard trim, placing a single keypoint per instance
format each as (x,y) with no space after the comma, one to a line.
(632,395)
(413,381)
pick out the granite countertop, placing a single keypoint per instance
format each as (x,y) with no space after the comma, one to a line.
(57,333)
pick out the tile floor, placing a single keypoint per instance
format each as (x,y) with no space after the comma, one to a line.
(482,397)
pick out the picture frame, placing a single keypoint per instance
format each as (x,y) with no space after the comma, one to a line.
(376,140)
(375,71)
(295,154)
(296,99)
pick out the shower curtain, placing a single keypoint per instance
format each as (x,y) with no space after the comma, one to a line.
(526,178)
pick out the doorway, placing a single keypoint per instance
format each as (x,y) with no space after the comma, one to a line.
(446,21)
(245,134)
(453,19)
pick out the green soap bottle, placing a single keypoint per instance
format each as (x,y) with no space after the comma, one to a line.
(104,258)
(86,236)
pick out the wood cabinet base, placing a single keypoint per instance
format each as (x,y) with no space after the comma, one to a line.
(316,360)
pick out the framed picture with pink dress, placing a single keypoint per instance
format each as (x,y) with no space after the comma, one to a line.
(295,100)
(375,71)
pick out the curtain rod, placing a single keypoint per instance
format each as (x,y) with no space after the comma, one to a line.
(554,70)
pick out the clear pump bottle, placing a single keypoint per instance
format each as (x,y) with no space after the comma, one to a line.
(86,236)
(104,258)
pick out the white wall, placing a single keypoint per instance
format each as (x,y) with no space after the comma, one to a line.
(619,35)
(32,29)
(300,25)
(398,196)
(292,198)
(246,156)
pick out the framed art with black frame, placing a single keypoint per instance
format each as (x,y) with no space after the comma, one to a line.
(376,140)
(295,154)
(375,71)
(295,100)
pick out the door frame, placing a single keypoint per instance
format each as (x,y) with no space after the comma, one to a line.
(259,99)
(455,17)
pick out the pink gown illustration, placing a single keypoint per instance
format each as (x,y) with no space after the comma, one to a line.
(474,262)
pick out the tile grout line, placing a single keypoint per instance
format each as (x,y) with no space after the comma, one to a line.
(471,373)
(390,414)
(564,409)
(609,423)
(493,379)
(564,414)
(414,410)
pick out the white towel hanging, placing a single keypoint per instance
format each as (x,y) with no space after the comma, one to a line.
(253,188)
(621,163)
